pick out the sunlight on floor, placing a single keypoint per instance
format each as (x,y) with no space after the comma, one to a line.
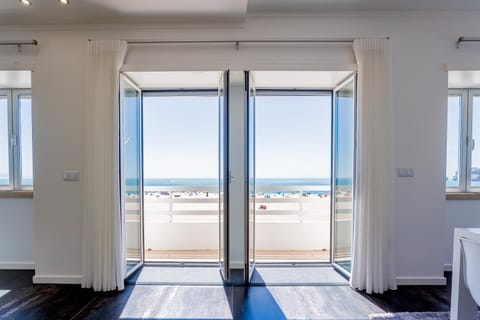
(3,292)
(317,302)
(177,302)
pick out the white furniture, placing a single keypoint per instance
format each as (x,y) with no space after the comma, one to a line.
(462,305)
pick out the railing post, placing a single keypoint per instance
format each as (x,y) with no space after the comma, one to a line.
(170,207)
(300,213)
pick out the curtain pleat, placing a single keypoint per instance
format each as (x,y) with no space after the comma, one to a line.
(103,248)
(373,265)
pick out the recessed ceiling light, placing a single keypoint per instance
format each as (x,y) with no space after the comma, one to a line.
(65,2)
(26,3)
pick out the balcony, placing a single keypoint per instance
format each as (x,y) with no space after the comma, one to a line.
(292,223)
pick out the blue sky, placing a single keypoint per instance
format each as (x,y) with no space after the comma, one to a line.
(453,126)
(453,134)
(3,137)
(180,137)
(26,139)
(293,137)
(476,131)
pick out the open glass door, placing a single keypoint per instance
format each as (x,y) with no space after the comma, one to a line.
(343,174)
(251,173)
(131,172)
(223,175)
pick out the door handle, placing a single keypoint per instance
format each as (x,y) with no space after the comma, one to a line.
(230,177)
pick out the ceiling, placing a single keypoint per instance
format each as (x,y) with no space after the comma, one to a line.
(463,79)
(299,79)
(119,11)
(263,79)
(176,79)
(157,11)
(15,80)
(361,5)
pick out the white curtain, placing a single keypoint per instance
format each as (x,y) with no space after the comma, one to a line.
(103,247)
(373,262)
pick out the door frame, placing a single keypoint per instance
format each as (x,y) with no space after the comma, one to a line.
(204,92)
(250,141)
(225,267)
(141,182)
(284,92)
(353,77)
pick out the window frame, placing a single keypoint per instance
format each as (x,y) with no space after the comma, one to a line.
(14,149)
(465,140)
(470,142)
(8,93)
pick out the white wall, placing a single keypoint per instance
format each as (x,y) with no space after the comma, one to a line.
(421,44)
(16,234)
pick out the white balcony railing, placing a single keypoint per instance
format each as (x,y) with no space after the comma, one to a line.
(186,217)
(197,204)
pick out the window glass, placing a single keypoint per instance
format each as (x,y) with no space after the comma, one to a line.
(4,149)
(475,163)
(25,140)
(453,141)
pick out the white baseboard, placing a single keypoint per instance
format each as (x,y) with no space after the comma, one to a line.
(421,281)
(56,279)
(17,265)
(447,267)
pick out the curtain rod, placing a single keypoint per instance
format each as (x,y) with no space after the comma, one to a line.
(326,40)
(19,43)
(237,42)
(462,39)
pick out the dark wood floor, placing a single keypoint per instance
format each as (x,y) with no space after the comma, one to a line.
(19,299)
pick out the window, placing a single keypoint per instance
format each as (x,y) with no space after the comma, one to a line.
(463,130)
(16,161)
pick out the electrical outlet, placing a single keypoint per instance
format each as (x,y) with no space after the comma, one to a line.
(71,175)
(405,172)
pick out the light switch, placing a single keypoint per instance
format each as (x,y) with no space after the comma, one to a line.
(71,175)
(405,172)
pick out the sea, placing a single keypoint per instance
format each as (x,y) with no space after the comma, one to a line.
(323,184)
(207,182)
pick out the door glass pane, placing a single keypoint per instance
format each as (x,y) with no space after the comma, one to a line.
(4,142)
(344,170)
(251,174)
(475,173)
(292,176)
(180,144)
(131,158)
(25,140)
(223,173)
(454,119)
